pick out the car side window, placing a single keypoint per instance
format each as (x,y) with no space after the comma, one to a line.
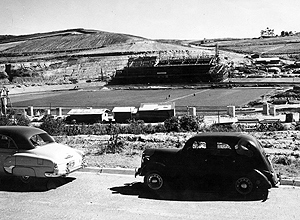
(224,149)
(199,145)
(221,145)
(6,142)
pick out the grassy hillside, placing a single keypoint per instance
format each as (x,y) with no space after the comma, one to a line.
(78,40)
(67,41)
(275,46)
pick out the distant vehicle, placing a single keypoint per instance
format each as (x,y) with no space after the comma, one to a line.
(220,160)
(29,153)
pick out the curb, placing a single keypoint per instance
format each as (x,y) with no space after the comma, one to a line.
(124,171)
(127,171)
(290,181)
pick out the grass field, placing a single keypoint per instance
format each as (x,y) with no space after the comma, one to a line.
(210,98)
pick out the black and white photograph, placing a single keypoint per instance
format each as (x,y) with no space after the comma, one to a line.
(149,109)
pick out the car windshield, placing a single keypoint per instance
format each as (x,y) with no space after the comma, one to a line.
(41,139)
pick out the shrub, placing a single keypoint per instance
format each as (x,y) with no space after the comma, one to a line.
(190,123)
(282,159)
(172,124)
(115,144)
(99,129)
(21,120)
(223,128)
(159,128)
(297,126)
(149,129)
(5,120)
(276,126)
(52,126)
(136,127)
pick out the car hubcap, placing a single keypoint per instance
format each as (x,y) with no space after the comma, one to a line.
(244,185)
(25,179)
(155,181)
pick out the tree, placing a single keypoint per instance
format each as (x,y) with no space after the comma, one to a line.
(267,32)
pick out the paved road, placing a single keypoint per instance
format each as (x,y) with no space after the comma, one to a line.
(111,196)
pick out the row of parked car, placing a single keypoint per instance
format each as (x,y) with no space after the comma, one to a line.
(225,161)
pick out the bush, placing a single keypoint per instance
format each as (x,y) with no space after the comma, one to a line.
(52,126)
(190,123)
(159,128)
(224,128)
(172,124)
(297,126)
(136,127)
(115,144)
(5,120)
(277,126)
(20,120)
(282,159)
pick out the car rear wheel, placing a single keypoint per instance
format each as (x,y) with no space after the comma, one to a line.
(25,179)
(154,180)
(244,186)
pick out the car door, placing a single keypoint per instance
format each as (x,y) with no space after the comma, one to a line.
(194,162)
(220,164)
(222,159)
(7,149)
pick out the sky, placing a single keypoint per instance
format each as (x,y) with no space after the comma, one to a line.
(153,19)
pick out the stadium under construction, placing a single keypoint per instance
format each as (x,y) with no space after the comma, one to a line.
(176,69)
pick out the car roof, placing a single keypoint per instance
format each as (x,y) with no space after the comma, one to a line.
(234,136)
(222,134)
(21,134)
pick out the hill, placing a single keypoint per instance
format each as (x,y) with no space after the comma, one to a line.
(286,47)
(64,56)
(63,41)
(79,54)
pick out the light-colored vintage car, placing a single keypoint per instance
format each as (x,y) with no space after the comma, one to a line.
(30,152)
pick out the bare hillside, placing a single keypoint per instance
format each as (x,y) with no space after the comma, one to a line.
(69,42)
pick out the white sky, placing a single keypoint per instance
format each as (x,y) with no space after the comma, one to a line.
(153,19)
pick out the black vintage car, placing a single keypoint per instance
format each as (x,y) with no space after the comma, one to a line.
(225,160)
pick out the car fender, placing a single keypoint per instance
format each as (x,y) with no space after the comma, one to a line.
(23,171)
(9,163)
(153,166)
(26,164)
(260,180)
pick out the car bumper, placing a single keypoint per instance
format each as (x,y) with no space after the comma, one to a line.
(63,170)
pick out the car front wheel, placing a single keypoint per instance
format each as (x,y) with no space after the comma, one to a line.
(154,180)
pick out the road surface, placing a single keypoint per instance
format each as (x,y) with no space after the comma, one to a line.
(112,196)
